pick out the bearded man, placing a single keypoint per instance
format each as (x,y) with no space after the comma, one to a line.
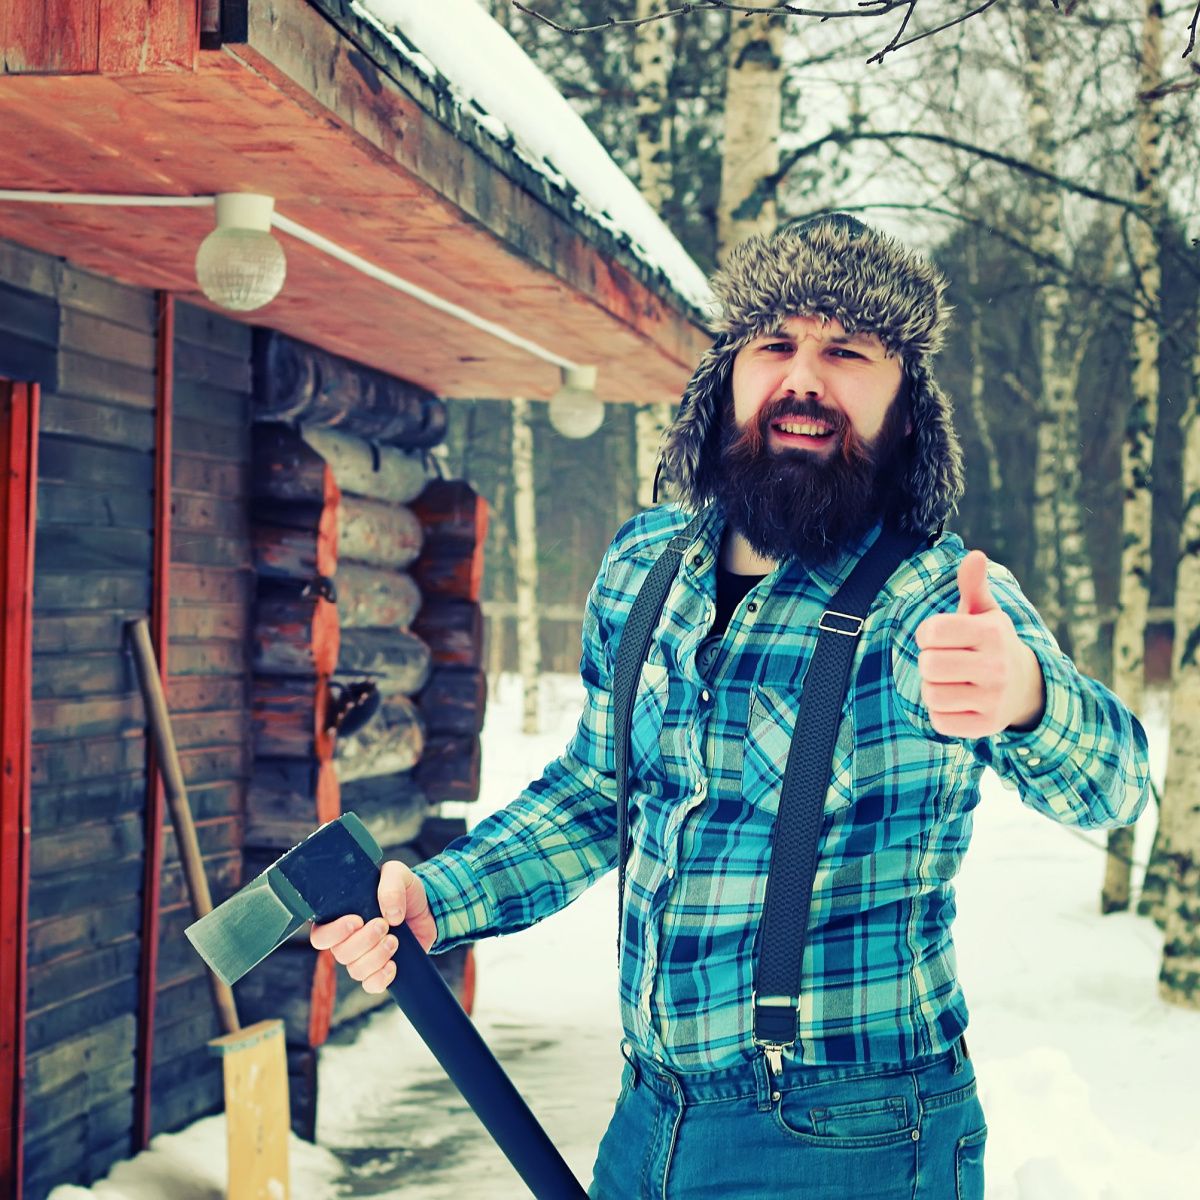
(812,440)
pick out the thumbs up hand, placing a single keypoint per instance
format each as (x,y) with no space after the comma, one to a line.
(977,676)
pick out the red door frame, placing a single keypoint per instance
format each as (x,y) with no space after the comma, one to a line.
(160,614)
(18,504)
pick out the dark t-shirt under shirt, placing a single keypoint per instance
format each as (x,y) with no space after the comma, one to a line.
(731,589)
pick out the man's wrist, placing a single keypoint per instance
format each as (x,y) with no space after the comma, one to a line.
(1033,695)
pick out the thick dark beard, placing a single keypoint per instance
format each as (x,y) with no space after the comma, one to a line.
(794,504)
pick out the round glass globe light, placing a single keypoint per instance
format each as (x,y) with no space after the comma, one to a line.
(240,269)
(575,410)
(576,413)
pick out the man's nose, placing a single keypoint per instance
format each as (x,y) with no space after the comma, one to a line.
(804,376)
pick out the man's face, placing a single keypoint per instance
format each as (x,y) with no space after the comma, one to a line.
(816,440)
(845,385)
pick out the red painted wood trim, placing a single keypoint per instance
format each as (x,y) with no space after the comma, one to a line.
(18,503)
(160,611)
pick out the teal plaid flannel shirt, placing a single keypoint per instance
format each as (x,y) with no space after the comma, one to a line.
(712,724)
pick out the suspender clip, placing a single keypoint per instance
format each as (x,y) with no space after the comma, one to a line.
(774,1056)
(774,1028)
(847,624)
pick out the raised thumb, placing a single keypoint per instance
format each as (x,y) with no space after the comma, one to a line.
(974,594)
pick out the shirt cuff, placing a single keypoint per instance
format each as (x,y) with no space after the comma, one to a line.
(462,911)
(1046,746)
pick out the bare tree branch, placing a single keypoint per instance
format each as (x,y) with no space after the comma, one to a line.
(897,44)
(842,137)
(866,8)
(863,8)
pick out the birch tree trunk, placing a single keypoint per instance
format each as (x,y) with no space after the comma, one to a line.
(1045,240)
(1179,818)
(652,63)
(753,105)
(651,72)
(1075,559)
(978,400)
(529,641)
(1129,638)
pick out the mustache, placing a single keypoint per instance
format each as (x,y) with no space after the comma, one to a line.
(752,438)
(791,406)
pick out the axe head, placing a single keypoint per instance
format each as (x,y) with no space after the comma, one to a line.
(332,872)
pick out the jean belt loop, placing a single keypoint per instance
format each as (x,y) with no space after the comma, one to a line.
(958,1052)
(766,1086)
(629,1056)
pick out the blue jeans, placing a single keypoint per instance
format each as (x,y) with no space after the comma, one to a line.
(859,1132)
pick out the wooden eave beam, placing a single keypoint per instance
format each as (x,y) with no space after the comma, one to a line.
(345,71)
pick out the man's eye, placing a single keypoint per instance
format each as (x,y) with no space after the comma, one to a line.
(842,351)
(779,347)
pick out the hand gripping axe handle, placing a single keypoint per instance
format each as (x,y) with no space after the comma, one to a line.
(333,872)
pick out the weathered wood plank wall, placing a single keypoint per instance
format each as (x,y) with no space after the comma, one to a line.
(90,342)
(211,583)
(92,571)
(84,36)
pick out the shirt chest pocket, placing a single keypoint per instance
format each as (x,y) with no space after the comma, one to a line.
(773,714)
(649,717)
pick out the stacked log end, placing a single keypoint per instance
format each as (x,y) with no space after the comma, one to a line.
(449,573)
(367,574)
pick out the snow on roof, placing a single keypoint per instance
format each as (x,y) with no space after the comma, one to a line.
(488,73)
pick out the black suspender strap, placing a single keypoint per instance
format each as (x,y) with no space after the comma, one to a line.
(631,654)
(793,865)
(806,776)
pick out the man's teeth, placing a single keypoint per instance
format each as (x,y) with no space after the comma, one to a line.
(807,430)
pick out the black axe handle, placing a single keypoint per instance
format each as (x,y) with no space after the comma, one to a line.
(343,878)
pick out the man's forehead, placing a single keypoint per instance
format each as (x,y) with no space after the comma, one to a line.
(822,329)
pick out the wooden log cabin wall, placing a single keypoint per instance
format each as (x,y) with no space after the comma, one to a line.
(94,346)
(367,688)
(286,589)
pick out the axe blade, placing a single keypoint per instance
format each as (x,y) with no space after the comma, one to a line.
(241,932)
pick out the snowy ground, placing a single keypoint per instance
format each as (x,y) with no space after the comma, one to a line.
(1088,1080)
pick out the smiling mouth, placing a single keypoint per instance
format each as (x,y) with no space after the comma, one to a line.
(802,432)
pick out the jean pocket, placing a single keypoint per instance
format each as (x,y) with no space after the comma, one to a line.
(968,1165)
(877,1121)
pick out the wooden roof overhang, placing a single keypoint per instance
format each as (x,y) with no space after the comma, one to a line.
(310,106)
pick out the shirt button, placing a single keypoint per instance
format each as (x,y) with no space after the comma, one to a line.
(699,786)
(670,872)
(752,606)
(1033,762)
(1022,750)
(705,696)
(658,1058)
(698,561)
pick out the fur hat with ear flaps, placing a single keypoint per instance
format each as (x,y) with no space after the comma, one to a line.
(834,267)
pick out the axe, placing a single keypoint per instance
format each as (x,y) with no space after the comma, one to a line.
(333,872)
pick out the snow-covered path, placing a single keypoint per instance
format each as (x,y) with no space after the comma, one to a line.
(1089,1081)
